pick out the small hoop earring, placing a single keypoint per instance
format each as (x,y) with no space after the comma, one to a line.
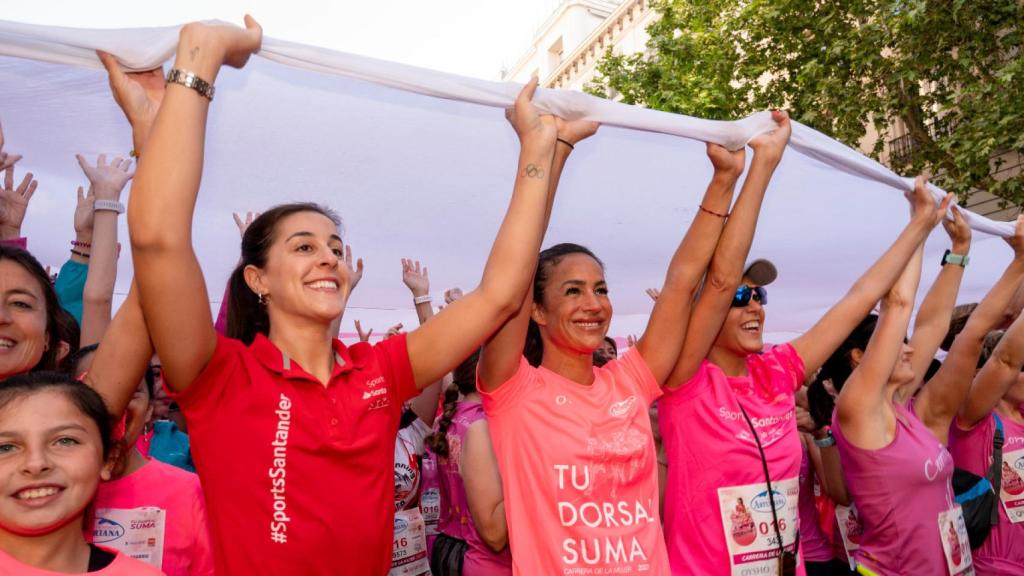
(263,301)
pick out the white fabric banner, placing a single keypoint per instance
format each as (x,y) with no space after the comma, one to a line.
(420,164)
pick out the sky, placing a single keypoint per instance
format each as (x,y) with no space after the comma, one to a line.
(470,37)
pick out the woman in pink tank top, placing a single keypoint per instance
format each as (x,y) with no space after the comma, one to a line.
(885,432)
(472,531)
(998,392)
(726,383)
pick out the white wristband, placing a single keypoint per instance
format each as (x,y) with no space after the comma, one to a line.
(111,205)
(425,299)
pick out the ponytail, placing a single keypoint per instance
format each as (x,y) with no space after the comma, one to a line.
(463,382)
(438,441)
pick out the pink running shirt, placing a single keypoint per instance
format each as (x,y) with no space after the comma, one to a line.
(456,520)
(185,535)
(579,470)
(121,566)
(814,544)
(900,491)
(709,447)
(1003,551)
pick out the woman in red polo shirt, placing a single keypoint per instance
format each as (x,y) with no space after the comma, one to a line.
(293,432)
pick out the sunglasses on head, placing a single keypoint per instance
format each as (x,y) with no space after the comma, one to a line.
(745,293)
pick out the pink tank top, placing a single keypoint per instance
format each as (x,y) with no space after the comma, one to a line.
(814,545)
(1003,551)
(900,490)
(455,519)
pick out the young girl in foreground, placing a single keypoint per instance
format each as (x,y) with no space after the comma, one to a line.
(54,442)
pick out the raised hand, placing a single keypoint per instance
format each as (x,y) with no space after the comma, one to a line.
(1017,240)
(773,144)
(959,232)
(654,293)
(203,48)
(139,94)
(393,331)
(6,160)
(84,214)
(356,272)
(363,336)
(572,131)
(415,278)
(530,124)
(14,203)
(922,203)
(452,294)
(244,223)
(631,340)
(106,180)
(726,162)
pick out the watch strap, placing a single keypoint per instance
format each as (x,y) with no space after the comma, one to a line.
(190,80)
(956,259)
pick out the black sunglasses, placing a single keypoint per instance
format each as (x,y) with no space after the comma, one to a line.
(745,293)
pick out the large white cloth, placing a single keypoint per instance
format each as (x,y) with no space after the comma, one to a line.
(420,164)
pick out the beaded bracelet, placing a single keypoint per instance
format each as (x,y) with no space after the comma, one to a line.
(78,244)
(713,213)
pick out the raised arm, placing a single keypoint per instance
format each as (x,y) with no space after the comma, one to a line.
(818,343)
(726,269)
(662,341)
(14,202)
(106,181)
(171,286)
(417,280)
(933,317)
(437,346)
(500,359)
(6,160)
(863,405)
(940,399)
(480,475)
(1000,373)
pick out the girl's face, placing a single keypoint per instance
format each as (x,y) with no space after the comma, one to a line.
(576,310)
(23,333)
(305,276)
(742,332)
(51,461)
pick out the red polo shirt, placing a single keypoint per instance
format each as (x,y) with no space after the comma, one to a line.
(299,476)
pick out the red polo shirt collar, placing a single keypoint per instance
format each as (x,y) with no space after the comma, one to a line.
(275,360)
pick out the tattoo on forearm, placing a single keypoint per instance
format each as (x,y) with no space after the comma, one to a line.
(533,171)
(192,54)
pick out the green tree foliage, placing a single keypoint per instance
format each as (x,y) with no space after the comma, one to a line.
(952,71)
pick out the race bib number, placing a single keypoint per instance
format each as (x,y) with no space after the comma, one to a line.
(1011,492)
(750,529)
(409,555)
(851,530)
(955,542)
(430,506)
(136,532)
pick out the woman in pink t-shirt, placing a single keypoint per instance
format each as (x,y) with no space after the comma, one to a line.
(54,443)
(726,383)
(472,531)
(149,501)
(997,391)
(574,443)
(892,442)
